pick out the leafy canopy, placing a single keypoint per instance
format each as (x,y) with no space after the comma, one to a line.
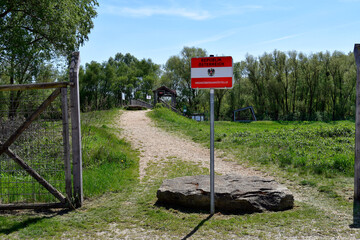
(44,26)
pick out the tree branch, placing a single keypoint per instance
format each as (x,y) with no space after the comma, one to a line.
(36,40)
(43,35)
(5,13)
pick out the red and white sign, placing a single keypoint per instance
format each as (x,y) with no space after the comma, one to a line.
(212,72)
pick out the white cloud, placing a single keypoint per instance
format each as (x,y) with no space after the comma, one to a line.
(195,13)
(151,11)
(212,38)
(281,39)
(231,9)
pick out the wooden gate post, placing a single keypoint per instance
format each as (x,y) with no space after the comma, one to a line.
(76,128)
(357,126)
(66,142)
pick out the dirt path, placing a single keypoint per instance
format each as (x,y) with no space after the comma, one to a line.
(157,145)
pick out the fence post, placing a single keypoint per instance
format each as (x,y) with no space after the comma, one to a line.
(357,126)
(66,142)
(76,128)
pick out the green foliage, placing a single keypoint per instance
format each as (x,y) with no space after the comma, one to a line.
(35,32)
(177,77)
(133,206)
(315,147)
(279,85)
(319,148)
(44,26)
(100,146)
(282,86)
(102,85)
(159,105)
(295,86)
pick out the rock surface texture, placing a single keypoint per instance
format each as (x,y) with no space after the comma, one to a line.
(233,194)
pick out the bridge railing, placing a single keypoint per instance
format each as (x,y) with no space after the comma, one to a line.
(134,102)
(141,103)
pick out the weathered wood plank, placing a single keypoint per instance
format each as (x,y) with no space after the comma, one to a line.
(357,126)
(76,129)
(16,206)
(35,175)
(29,120)
(136,103)
(33,86)
(65,119)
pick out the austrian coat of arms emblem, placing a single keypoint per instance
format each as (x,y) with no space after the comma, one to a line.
(211,72)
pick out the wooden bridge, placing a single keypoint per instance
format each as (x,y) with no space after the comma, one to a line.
(137,104)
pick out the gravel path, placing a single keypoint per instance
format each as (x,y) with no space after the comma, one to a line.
(157,145)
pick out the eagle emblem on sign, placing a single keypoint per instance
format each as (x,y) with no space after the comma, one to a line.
(211,72)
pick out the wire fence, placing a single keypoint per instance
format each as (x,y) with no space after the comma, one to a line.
(40,146)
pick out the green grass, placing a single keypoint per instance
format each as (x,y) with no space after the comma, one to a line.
(44,153)
(314,147)
(128,209)
(314,154)
(21,187)
(133,211)
(109,163)
(110,167)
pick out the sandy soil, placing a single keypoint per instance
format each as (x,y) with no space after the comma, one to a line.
(157,145)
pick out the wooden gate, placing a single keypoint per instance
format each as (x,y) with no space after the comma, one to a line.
(35,153)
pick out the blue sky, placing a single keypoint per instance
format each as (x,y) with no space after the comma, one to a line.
(160,29)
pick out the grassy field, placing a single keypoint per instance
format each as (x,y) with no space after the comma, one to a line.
(119,206)
(317,154)
(314,147)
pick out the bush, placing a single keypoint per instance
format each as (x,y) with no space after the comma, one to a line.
(159,105)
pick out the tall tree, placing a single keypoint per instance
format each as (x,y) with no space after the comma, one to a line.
(318,86)
(90,86)
(219,96)
(102,85)
(34,31)
(293,65)
(48,26)
(177,72)
(240,91)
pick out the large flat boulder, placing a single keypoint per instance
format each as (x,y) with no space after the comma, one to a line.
(233,194)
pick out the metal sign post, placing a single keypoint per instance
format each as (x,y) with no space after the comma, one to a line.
(212,160)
